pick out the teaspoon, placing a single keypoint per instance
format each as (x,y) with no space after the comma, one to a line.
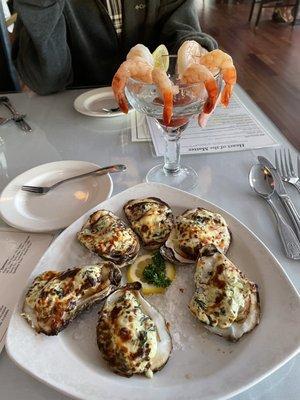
(262,183)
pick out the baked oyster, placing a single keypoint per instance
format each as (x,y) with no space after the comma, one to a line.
(192,230)
(55,298)
(131,334)
(225,301)
(151,219)
(107,235)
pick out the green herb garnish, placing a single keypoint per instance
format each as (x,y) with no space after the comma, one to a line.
(200,303)
(155,272)
(143,337)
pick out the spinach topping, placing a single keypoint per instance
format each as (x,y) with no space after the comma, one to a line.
(200,303)
(143,338)
(155,272)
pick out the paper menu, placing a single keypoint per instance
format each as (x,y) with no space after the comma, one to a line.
(228,129)
(20,252)
(139,127)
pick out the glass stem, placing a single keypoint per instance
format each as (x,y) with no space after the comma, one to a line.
(172,153)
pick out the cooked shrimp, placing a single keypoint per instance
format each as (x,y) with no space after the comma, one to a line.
(223,61)
(140,51)
(188,53)
(165,87)
(136,68)
(199,73)
(203,117)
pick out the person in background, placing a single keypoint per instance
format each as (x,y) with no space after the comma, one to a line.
(72,43)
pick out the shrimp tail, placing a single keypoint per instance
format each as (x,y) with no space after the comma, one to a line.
(168,107)
(204,117)
(212,91)
(229,76)
(118,89)
(208,106)
(226,94)
(165,88)
(123,104)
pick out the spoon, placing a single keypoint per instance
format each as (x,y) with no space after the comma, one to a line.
(262,183)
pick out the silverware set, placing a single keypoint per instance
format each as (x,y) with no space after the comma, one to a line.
(18,118)
(268,182)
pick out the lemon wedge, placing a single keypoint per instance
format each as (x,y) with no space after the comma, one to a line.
(158,57)
(136,270)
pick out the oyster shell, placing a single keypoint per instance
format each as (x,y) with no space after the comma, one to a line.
(131,334)
(55,298)
(151,219)
(225,301)
(192,230)
(107,235)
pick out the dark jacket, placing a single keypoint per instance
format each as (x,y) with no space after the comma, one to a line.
(63,43)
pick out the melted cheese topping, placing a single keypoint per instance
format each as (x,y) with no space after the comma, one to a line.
(54,301)
(107,235)
(37,285)
(197,228)
(128,337)
(222,293)
(150,219)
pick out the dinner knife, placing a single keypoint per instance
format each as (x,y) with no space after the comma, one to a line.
(282,193)
(18,118)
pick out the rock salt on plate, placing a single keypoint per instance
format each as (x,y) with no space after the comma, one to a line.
(173,305)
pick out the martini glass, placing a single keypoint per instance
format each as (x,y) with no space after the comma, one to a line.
(188,101)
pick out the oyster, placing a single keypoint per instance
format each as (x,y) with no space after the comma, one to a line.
(151,219)
(107,235)
(131,334)
(55,298)
(225,301)
(192,230)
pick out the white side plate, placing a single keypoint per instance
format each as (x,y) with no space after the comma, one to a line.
(61,206)
(92,102)
(202,365)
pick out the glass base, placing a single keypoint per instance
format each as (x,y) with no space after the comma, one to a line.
(185,179)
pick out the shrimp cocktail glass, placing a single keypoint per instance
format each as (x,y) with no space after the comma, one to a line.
(172,114)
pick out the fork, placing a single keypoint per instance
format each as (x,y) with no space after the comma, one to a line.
(18,118)
(284,166)
(111,110)
(4,121)
(99,171)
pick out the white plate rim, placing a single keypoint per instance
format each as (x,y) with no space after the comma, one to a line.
(34,169)
(68,393)
(84,96)
(242,388)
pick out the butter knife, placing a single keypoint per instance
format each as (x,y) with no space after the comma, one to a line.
(18,118)
(282,193)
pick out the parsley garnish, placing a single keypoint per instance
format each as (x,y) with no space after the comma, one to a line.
(200,303)
(143,337)
(155,272)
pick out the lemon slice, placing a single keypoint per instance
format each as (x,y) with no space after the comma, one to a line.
(135,273)
(158,59)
